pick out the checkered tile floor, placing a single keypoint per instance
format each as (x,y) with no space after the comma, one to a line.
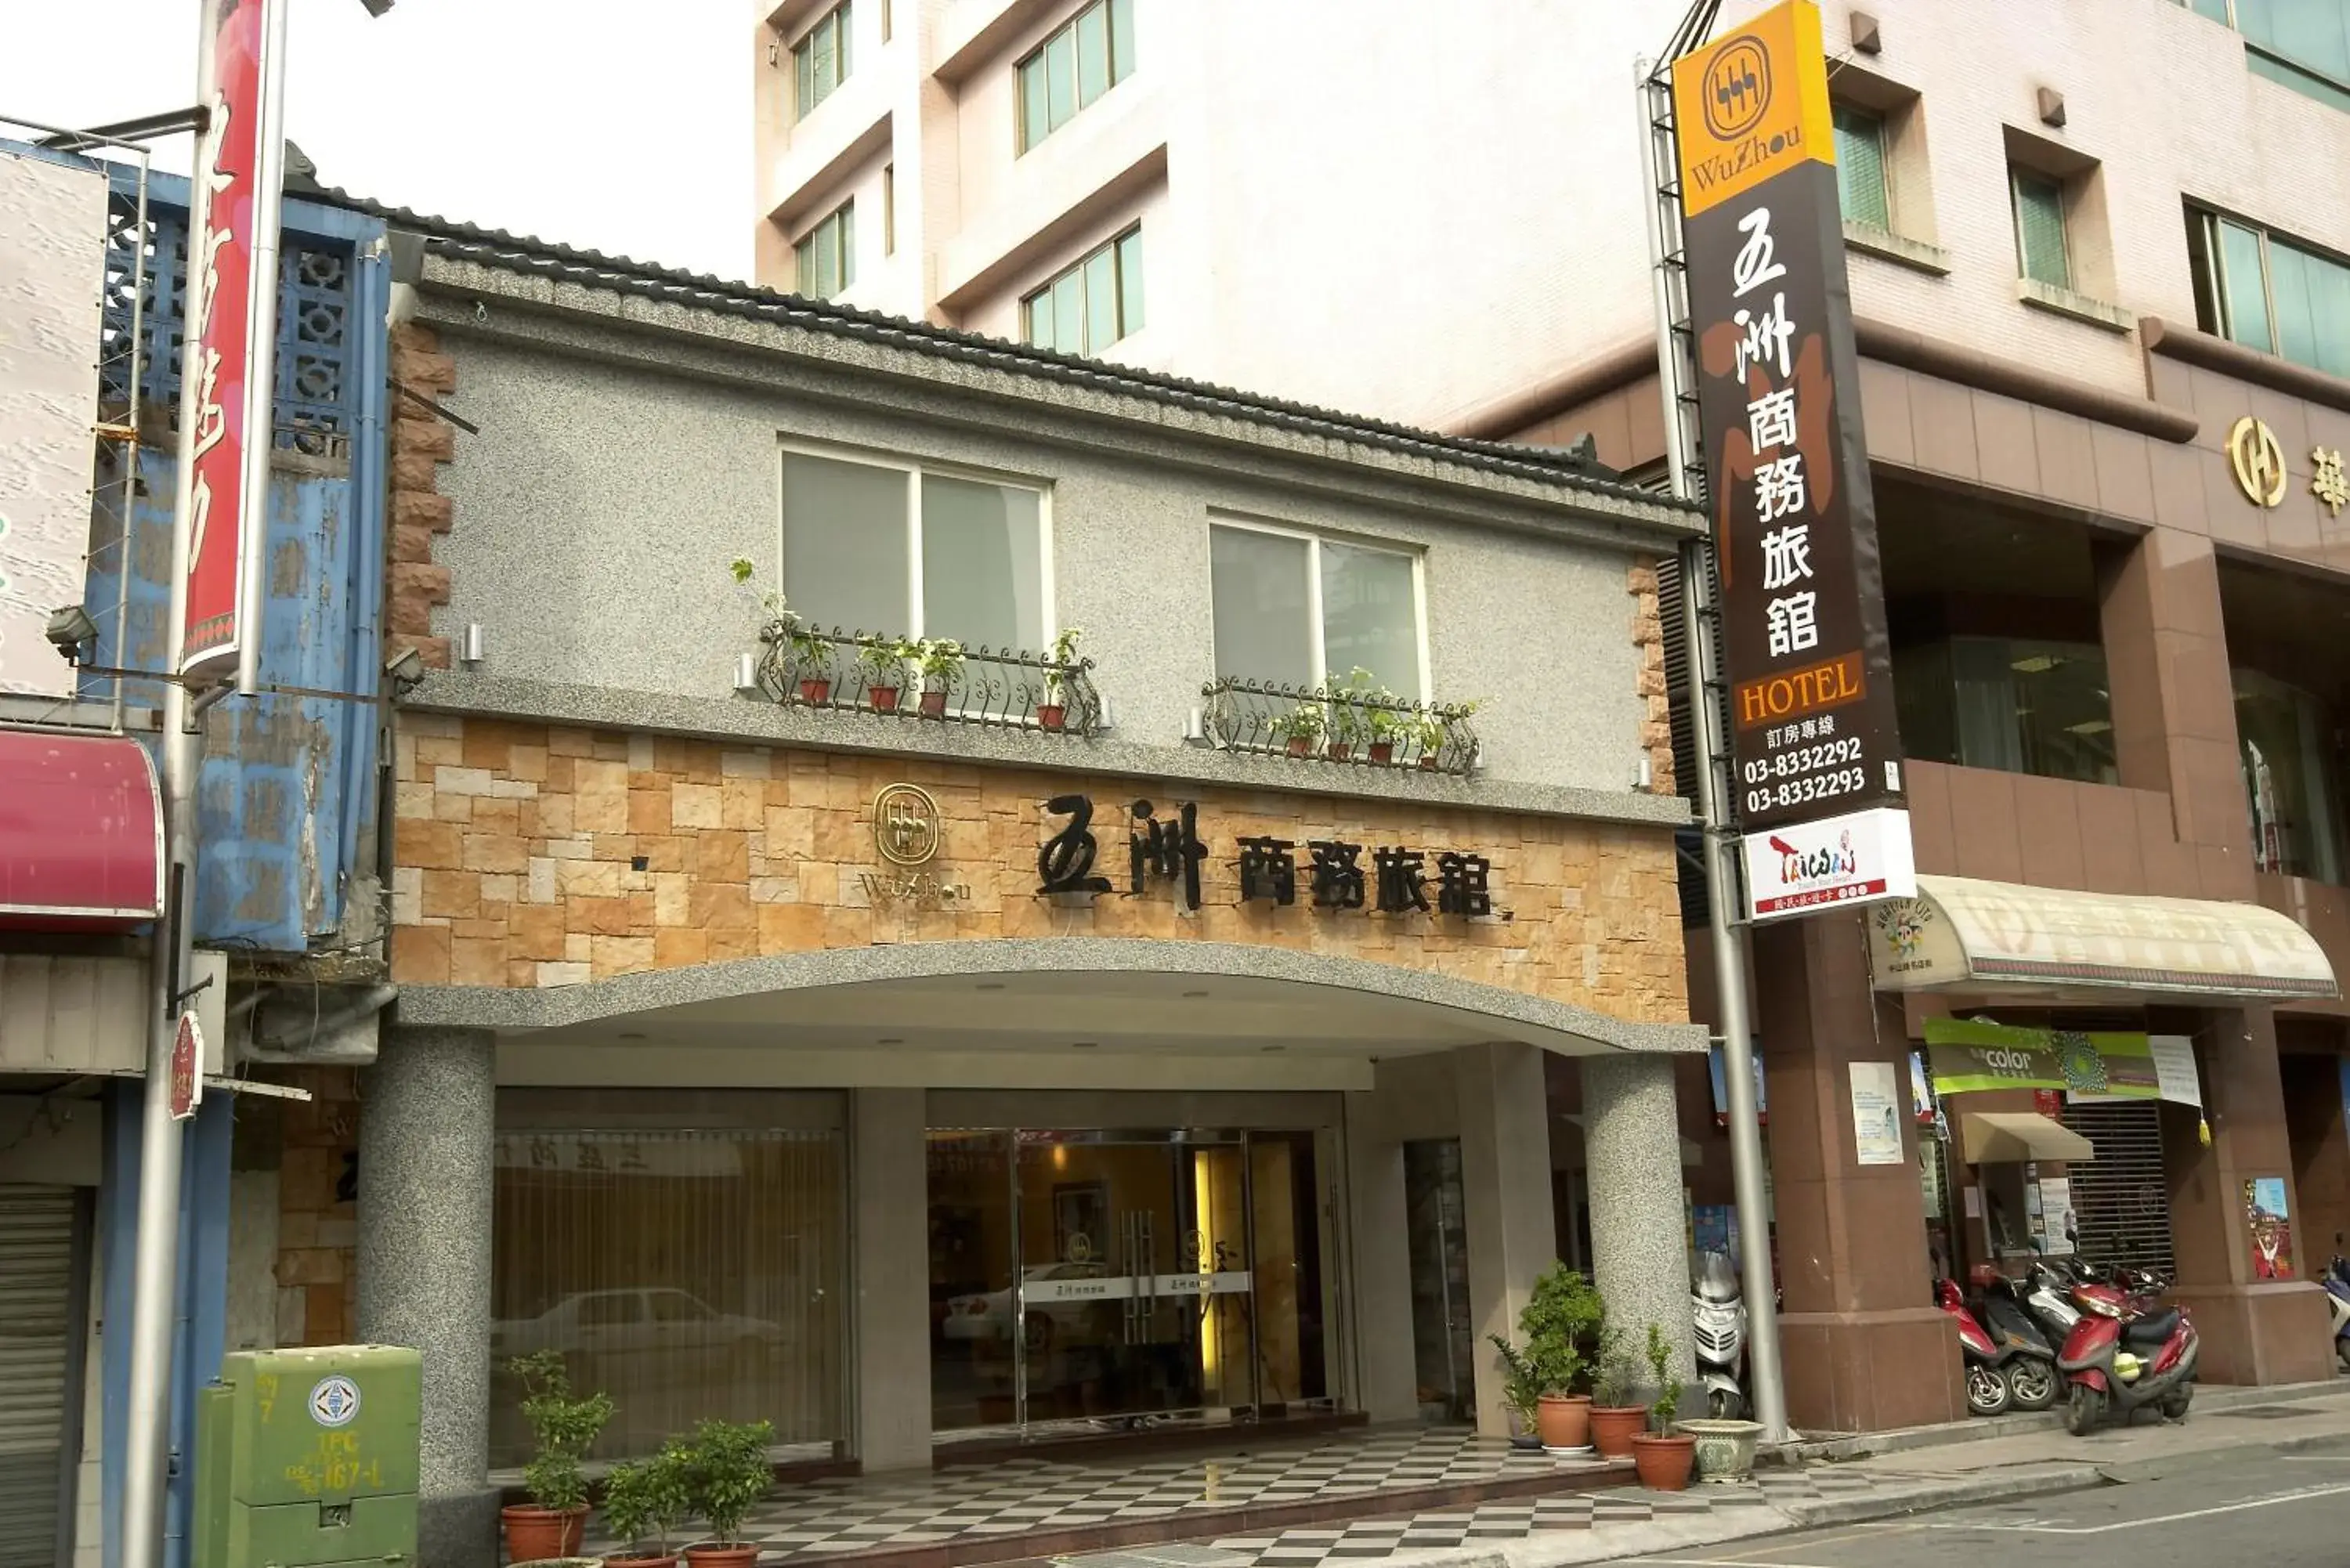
(827,1518)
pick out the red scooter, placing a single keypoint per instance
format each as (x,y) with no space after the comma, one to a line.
(2125,1354)
(1988,1392)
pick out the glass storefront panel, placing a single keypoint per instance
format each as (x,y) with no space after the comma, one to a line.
(2288,762)
(973,1364)
(681,1257)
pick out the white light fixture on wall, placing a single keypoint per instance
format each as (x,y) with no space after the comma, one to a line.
(747,672)
(475,646)
(1195,728)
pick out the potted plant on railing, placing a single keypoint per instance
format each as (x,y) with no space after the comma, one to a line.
(1300,729)
(1616,1410)
(1662,1455)
(940,661)
(727,1472)
(1390,726)
(643,1500)
(1428,730)
(562,1427)
(1050,713)
(811,660)
(1561,1321)
(1521,1391)
(1349,720)
(884,659)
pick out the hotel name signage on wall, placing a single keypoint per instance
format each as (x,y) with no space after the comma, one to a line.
(1815,743)
(2256,458)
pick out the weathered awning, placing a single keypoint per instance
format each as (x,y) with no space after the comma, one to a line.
(1992,1138)
(1963,934)
(81,832)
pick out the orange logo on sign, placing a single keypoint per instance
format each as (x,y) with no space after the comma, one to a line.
(1737,87)
(1753,106)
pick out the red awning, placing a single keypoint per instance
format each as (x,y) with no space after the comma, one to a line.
(81,832)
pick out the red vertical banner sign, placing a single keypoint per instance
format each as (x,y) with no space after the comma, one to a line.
(221,355)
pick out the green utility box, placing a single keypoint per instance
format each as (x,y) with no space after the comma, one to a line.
(307,1459)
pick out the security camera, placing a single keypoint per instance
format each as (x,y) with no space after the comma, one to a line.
(68,630)
(404,670)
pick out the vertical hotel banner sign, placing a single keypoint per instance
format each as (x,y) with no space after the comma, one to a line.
(1816,750)
(229,357)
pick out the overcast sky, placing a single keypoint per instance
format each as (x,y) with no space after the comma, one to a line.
(621,125)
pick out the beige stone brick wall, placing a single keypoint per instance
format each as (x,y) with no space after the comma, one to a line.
(518,848)
(421,442)
(317,1229)
(1648,637)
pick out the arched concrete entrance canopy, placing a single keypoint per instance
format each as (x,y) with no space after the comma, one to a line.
(1114,1009)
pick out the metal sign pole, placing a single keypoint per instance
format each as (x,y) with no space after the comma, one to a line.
(1684,461)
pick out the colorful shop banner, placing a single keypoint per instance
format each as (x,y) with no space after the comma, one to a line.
(1969,1057)
(2269,1222)
(1778,386)
(1802,867)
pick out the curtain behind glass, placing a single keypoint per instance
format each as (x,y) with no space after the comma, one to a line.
(687,1274)
(1983,690)
(845,561)
(1368,618)
(982,564)
(1263,615)
(2288,778)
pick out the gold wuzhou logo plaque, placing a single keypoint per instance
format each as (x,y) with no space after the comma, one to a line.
(2258,459)
(908,835)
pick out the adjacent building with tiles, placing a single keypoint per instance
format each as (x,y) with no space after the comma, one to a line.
(1046,1056)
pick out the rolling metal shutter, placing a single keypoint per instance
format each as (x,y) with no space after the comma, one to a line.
(37,1340)
(2121,1200)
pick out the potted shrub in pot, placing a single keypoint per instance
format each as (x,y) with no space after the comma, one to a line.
(1616,1412)
(1050,713)
(1300,728)
(1349,720)
(940,659)
(1390,727)
(884,659)
(1661,1454)
(727,1473)
(1521,1388)
(1560,1321)
(1428,730)
(643,1500)
(812,661)
(562,1428)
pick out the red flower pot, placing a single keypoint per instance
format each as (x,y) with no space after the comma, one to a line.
(815,693)
(1049,715)
(723,1556)
(1663,1463)
(1382,753)
(885,698)
(933,705)
(535,1534)
(1301,746)
(1564,1420)
(1339,751)
(1613,1428)
(1427,763)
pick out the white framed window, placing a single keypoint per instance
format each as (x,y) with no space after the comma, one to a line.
(1294,608)
(820,59)
(881,545)
(1083,58)
(1089,305)
(826,256)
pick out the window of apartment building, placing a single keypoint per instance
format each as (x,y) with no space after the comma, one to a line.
(2267,292)
(2289,784)
(2019,705)
(1092,304)
(828,254)
(1860,165)
(1091,54)
(820,59)
(889,209)
(2304,43)
(2041,252)
(1296,609)
(874,545)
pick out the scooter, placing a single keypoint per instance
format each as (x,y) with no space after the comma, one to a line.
(2337,1302)
(1988,1392)
(2120,1358)
(1720,1307)
(2029,1368)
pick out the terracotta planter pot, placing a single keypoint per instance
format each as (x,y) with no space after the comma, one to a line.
(1663,1463)
(885,698)
(667,1561)
(533,1533)
(1050,715)
(815,693)
(723,1556)
(1301,746)
(1564,1420)
(934,705)
(1383,753)
(1613,1428)
(1339,751)
(1428,762)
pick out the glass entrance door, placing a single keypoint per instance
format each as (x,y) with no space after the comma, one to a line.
(1109,1277)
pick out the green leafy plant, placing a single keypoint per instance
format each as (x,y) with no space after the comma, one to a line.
(1563,1321)
(1667,1398)
(1349,720)
(727,1473)
(1304,722)
(940,661)
(1521,1384)
(771,603)
(884,658)
(1062,656)
(644,1499)
(811,649)
(1615,1374)
(563,1426)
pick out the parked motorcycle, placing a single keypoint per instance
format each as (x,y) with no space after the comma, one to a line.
(2337,1302)
(2030,1367)
(1987,1391)
(1720,1305)
(2125,1354)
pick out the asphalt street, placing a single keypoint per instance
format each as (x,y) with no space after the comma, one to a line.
(2256,1508)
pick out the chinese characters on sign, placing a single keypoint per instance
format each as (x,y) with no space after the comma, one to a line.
(1803,615)
(2326,480)
(1169,849)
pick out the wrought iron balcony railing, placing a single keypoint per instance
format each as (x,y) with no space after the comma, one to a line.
(1358,728)
(891,677)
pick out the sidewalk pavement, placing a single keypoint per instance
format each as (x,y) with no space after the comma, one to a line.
(1838,1481)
